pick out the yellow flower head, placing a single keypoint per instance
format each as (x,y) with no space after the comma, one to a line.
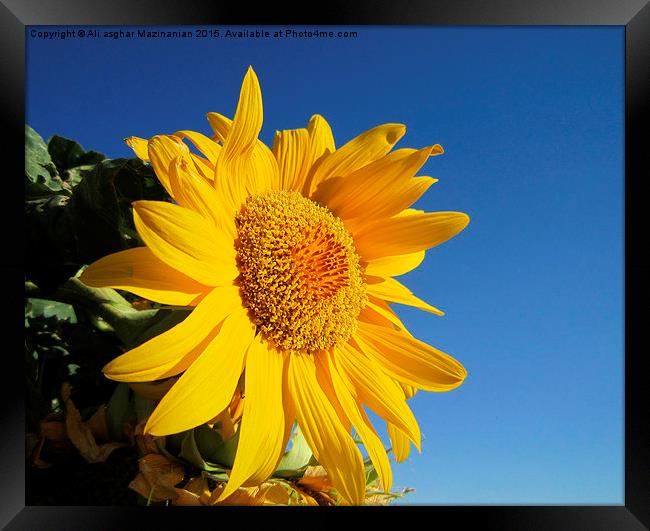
(287,256)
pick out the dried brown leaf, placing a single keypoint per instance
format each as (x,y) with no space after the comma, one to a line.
(199,486)
(157,478)
(274,494)
(195,492)
(98,425)
(186,498)
(316,478)
(146,443)
(266,494)
(143,487)
(53,430)
(158,468)
(80,435)
(35,457)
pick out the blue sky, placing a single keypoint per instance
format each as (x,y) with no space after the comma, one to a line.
(532,123)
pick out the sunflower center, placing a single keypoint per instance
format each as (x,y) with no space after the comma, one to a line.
(299,272)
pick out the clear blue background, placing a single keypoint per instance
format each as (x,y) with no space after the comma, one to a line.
(531,121)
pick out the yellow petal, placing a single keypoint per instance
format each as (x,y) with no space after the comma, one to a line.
(353,409)
(358,152)
(392,266)
(186,241)
(399,441)
(378,312)
(203,167)
(382,188)
(158,357)
(409,390)
(247,122)
(407,234)
(367,381)
(162,150)
(263,174)
(291,150)
(402,195)
(321,140)
(409,360)
(195,193)
(139,271)
(376,315)
(220,125)
(208,147)
(325,380)
(263,424)
(391,290)
(207,386)
(234,162)
(139,147)
(320,424)
(287,407)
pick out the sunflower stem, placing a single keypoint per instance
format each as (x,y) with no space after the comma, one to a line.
(129,324)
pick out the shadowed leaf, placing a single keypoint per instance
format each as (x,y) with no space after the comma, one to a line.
(67,154)
(41,176)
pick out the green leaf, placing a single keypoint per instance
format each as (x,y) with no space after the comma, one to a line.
(106,295)
(161,321)
(191,453)
(142,407)
(134,327)
(100,208)
(217,476)
(222,453)
(67,154)
(41,177)
(120,408)
(73,176)
(129,324)
(96,213)
(294,462)
(47,308)
(371,472)
(163,448)
(81,224)
(207,440)
(174,441)
(51,244)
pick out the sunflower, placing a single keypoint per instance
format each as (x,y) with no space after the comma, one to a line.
(287,257)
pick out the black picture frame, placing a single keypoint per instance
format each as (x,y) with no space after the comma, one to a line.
(634,15)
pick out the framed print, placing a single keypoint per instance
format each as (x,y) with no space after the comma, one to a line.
(385,257)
